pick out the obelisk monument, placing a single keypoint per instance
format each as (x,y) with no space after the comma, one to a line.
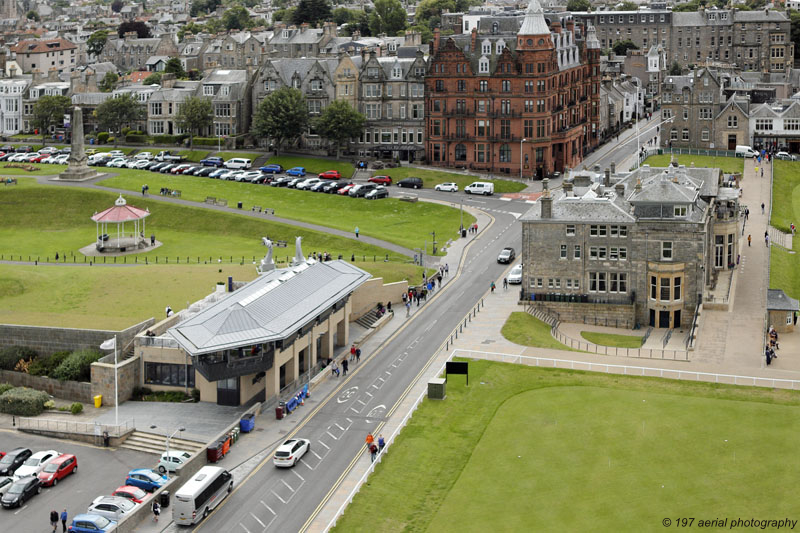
(77,170)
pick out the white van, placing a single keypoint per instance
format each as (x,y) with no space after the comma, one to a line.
(201,495)
(480,187)
(237,163)
(98,156)
(745,151)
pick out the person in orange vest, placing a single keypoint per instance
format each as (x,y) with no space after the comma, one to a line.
(370,439)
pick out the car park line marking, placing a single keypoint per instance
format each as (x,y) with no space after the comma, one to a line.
(288,487)
(21,509)
(307,466)
(361,402)
(338,426)
(323,444)
(375,386)
(276,495)
(268,508)
(298,475)
(248,531)
(259,521)
(368,393)
(331,434)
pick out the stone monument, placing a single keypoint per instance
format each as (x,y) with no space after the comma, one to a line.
(77,170)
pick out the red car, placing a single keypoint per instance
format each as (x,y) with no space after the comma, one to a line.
(381,180)
(58,469)
(330,175)
(39,158)
(346,189)
(134,494)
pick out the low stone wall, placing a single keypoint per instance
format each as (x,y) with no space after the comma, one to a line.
(96,440)
(66,390)
(144,512)
(128,377)
(614,315)
(48,340)
(367,296)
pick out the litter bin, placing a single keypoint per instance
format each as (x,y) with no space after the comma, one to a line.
(164,499)
(236,432)
(214,452)
(98,400)
(226,445)
(279,412)
(247,423)
(463,233)
(239,205)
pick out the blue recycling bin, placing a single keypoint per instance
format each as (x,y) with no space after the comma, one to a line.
(247,423)
(91,141)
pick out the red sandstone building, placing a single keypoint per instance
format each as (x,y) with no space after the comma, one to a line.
(496,99)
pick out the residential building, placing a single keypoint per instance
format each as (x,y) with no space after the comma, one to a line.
(49,86)
(302,42)
(775,125)
(693,102)
(164,104)
(230,92)
(521,103)
(634,249)
(12,91)
(237,50)
(650,67)
(44,54)
(132,53)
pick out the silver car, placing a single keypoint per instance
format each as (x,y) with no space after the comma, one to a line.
(515,276)
(112,507)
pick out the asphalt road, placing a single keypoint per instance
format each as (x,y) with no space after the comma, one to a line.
(285,499)
(100,472)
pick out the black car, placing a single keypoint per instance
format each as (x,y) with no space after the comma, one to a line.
(317,187)
(414,183)
(6,148)
(282,182)
(21,491)
(189,171)
(25,149)
(166,168)
(66,150)
(6,156)
(205,171)
(334,186)
(155,167)
(13,460)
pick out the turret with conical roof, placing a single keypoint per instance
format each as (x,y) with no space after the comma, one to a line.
(534,23)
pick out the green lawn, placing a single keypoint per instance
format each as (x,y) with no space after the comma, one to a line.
(313,165)
(194,156)
(246,155)
(784,266)
(522,328)
(610,339)
(43,170)
(431,178)
(533,449)
(728,165)
(407,224)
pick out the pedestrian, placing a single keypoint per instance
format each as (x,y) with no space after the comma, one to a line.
(144,188)
(748,239)
(356,230)
(352,351)
(746,213)
(54,519)
(57,252)
(168,311)
(156,510)
(762,172)
(373,450)
(405,297)
(505,284)
(358,355)
(344,366)
(766,239)
(446,270)
(439,279)
(756,170)
(64,521)
(334,369)
(762,208)
(768,353)
(408,309)
(370,439)
(153,239)
(792,226)
(381,443)
(795,317)
(492,287)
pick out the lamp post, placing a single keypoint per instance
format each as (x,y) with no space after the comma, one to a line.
(180,429)
(520,156)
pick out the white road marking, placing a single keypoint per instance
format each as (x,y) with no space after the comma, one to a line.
(248,531)
(268,508)
(331,435)
(375,386)
(257,520)
(338,426)
(288,486)
(21,509)
(315,454)
(516,215)
(505,199)
(325,446)
(276,495)
(298,475)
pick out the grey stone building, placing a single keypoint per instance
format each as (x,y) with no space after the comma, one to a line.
(132,53)
(236,50)
(639,248)
(230,92)
(303,41)
(693,102)
(164,103)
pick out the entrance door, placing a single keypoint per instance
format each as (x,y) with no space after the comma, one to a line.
(228,391)
(676,320)
(732,141)
(663,319)
(719,251)
(652,318)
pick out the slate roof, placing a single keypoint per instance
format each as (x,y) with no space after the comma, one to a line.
(40,46)
(534,23)
(270,308)
(777,300)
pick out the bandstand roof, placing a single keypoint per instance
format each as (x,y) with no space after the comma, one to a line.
(120,212)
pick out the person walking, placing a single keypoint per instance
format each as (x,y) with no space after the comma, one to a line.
(356,231)
(505,284)
(766,239)
(352,351)
(373,451)
(492,287)
(156,510)
(345,364)
(381,443)
(746,213)
(334,369)
(64,521)
(370,439)
(358,355)
(446,270)
(54,519)
(762,208)
(408,309)
(749,238)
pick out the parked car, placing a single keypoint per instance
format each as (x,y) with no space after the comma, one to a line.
(378,192)
(212,161)
(36,463)
(291,451)
(413,183)
(156,167)
(178,169)
(134,494)
(146,479)
(57,469)
(138,163)
(61,159)
(90,151)
(92,523)
(346,189)
(168,157)
(116,153)
(271,169)
(50,150)
(112,507)
(283,181)
(6,482)
(34,157)
(68,150)
(23,149)
(204,171)
(361,190)
(6,156)
(330,175)
(218,172)
(266,179)
(296,171)
(485,188)
(786,156)
(238,163)
(318,186)
(506,255)
(190,171)
(21,491)
(39,157)
(144,155)
(381,180)
(446,187)
(332,187)
(166,168)
(172,460)
(515,276)
(306,183)
(294,182)
(49,160)
(18,156)
(249,176)
(231,175)
(118,162)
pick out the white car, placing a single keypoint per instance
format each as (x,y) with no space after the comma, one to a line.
(32,156)
(446,187)
(144,155)
(36,463)
(237,163)
(6,482)
(305,184)
(138,163)
(291,451)
(112,507)
(248,176)
(232,175)
(173,460)
(49,150)
(515,276)
(18,157)
(49,160)
(117,162)
(785,156)
(116,153)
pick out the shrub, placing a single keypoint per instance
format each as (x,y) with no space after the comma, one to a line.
(10,356)
(22,401)
(206,141)
(76,408)
(102,137)
(166,396)
(124,131)
(4,387)
(77,366)
(46,365)
(165,139)
(111,139)
(133,138)
(140,392)
(196,395)
(49,404)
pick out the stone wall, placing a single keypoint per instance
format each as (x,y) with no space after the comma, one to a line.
(367,296)
(128,376)
(48,340)
(614,315)
(66,390)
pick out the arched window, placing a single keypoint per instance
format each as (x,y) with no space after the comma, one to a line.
(495,27)
(483,65)
(486,47)
(461,152)
(505,154)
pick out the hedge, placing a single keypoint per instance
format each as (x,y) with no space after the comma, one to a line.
(5,387)
(11,355)
(102,137)
(165,139)
(45,365)
(22,401)
(134,138)
(207,141)
(77,366)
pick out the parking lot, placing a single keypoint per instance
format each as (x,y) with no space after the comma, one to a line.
(100,472)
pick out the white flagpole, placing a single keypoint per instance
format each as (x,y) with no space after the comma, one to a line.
(116,390)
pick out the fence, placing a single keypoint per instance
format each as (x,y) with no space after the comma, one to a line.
(149,260)
(158,342)
(79,428)
(697,151)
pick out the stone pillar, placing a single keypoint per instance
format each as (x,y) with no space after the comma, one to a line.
(77,170)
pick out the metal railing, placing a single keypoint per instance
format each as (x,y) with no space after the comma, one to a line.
(158,342)
(642,353)
(80,428)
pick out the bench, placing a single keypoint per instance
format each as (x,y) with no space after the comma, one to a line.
(103,237)
(268,211)
(256,209)
(211,200)
(280,244)
(10,181)
(222,202)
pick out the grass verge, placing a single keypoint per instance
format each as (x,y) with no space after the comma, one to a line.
(611,339)
(785,266)
(431,178)
(194,156)
(247,155)
(728,165)
(526,330)
(313,165)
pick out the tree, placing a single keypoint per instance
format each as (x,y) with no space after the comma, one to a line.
(153,79)
(33,15)
(108,82)
(116,6)
(192,27)
(342,15)
(115,113)
(284,15)
(204,6)
(96,42)
(49,111)
(388,17)
(142,30)
(340,122)
(621,48)
(675,69)
(312,11)
(282,116)
(627,5)
(174,66)
(426,34)
(236,18)
(195,113)
(794,17)
(579,5)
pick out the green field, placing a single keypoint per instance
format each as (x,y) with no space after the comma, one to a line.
(194,156)
(431,178)
(729,165)
(611,339)
(526,330)
(313,165)
(404,223)
(533,449)
(784,266)
(247,155)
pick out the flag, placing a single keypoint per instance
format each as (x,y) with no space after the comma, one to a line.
(110,344)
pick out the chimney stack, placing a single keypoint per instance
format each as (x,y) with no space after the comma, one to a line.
(613,167)
(568,189)
(546,200)
(474,40)
(620,189)
(607,180)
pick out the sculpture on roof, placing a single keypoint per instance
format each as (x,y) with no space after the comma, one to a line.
(298,252)
(267,264)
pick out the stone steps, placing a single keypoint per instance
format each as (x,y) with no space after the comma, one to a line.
(157,444)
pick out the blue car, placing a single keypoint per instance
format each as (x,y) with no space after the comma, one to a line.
(92,523)
(219,172)
(296,171)
(213,161)
(271,169)
(145,479)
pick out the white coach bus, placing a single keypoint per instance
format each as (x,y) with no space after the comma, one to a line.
(201,494)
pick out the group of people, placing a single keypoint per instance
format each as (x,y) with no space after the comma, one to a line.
(772,345)
(473,228)
(54,517)
(324,256)
(382,309)
(337,370)
(375,447)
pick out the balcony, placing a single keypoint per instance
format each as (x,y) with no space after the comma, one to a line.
(459,113)
(215,367)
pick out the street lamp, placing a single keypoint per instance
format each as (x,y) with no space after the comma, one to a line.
(520,156)
(180,429)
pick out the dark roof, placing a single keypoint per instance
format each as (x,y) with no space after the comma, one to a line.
(777,300)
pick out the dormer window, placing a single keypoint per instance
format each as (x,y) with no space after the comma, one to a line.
(208,90)
(486,47)
(483,65)
(680,211)
(397,72)
(499,46)
(285,34)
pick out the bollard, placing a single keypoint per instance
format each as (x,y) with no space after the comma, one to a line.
(115,259)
